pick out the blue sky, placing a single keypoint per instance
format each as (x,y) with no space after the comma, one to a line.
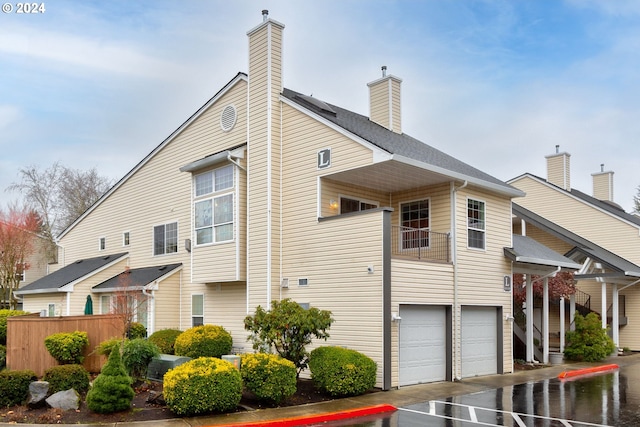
(497,84)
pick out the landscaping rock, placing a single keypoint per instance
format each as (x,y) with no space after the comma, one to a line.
(65,400)
(37,394)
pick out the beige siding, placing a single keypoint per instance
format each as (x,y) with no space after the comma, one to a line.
(165,301)
(559,171)
(379,99)
(37,303)
(603,186)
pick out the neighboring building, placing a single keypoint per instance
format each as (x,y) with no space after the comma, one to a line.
(594,232)
(266,193)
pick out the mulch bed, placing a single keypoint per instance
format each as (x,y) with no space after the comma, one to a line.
(147,405)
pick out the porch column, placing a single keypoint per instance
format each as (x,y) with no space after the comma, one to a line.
(615,316)
(572,312)
(561,324)
(545,321)
(603,306)
(529,319)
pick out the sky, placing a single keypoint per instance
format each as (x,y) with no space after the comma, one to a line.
(497,84)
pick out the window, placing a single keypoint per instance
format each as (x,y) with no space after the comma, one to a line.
(475,224)
(52,310)
(165,239)
(102,243)
(353,205)
(105,304)
(414,217)
(197,309)
(126,238)
(213,220)
(20,272)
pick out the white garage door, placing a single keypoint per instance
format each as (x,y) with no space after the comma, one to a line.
(423,344)
(479,341)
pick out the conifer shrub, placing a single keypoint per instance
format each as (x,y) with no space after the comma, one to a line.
(111,391)
(201,386)
(67,347)
(589,341)
(65,377)
(342,372)
(165,339)
(203,341)
(136,356)
(269,376)
(14,386)
(136,330)
(105,347)
(4,313)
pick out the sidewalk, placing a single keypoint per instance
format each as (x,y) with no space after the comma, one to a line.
(398,397)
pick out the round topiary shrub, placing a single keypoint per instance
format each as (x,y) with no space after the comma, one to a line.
(589,341)
(136,356)
(202,386)
(203,341)
(65,377)
(136,330)
(4,313)
(67,347)
(342,372)
(269,376)
(111,391)
(165,339)
(14,386)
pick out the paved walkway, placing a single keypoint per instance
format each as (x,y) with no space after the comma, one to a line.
(399,397)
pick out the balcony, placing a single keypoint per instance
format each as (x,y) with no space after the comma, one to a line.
(420,244)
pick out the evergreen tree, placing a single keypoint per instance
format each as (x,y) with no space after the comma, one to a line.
(111,391)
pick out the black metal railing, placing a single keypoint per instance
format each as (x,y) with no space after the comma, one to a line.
(420,243)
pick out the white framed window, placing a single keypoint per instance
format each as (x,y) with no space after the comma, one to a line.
(21,272)
(415,224)
(197,309)
(476,222)
(51,310)
(102,243)
(353,204)
(214,206)
(165,238)
(126,238)
(106,306)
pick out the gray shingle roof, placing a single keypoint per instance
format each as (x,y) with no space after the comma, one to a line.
(391,142)
(135,278)
(528,251)
(69,274)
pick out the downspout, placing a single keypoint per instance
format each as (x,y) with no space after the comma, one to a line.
(454,258)
(150,309)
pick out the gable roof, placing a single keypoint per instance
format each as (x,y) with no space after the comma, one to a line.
(70,274)
(399,145)
(136,278)
(610,208)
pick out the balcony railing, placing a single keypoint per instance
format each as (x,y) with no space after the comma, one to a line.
(420,243)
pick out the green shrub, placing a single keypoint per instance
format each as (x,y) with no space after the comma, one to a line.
(65,377)
(136,330)
(67,347)
(203,341)
(111,391)
(269,376)
(165,339)
(136,356)
(106,346)
(14,386)
(342,372)
(202,386)
(589,341)
(3,322)
(3,356)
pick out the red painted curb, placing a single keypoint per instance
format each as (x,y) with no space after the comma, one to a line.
(318,418)
(575,373)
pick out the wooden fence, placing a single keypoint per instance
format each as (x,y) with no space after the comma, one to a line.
(26,334)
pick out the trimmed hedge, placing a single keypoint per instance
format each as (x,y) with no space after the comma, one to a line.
(67,347)
(342,372)
(269,376)
(204,341)
(136,330)
(165,339)
(14,386)
(65,377)
(3,356)
(4,313)
(202,386)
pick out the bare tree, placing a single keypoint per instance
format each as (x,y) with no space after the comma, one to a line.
(129,301)
(78,190)
(18,227)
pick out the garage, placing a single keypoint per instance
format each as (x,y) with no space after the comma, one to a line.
(424,344)
(480,344)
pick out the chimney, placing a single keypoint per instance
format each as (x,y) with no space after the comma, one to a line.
(384,101)
(558,169)
(603,185)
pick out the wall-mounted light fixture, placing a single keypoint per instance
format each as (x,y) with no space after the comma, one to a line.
(333,204)
(395,317)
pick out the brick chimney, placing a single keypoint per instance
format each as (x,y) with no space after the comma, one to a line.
(384,101)
(559,170)
(603,185)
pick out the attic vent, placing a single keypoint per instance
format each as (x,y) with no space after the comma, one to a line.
(228,118)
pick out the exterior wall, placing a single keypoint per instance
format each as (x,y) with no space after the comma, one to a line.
(164,303)
(37,303)
(559,171)
(384,103)
(603,186)
(37,261)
